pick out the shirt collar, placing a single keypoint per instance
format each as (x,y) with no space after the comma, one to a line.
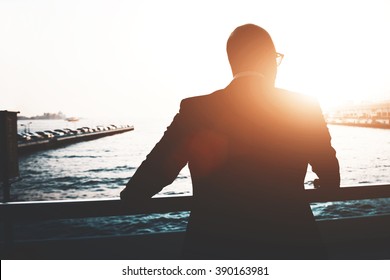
(248,73)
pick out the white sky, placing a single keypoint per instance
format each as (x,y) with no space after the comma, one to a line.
(112,58)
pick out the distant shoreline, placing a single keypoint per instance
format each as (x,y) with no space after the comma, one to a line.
(38,118)
(45,116)
(372,125)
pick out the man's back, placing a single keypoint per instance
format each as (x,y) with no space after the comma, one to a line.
(247,147)
(248,152)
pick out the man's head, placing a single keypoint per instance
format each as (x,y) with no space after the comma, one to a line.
(250,48)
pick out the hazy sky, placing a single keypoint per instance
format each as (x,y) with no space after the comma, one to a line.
(130,58)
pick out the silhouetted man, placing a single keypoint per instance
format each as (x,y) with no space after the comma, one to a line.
(248,147)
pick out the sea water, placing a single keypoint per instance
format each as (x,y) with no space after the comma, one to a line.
(100,169)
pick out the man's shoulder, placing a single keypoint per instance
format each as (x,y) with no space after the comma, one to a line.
(294,95)
(294,98)
(201,100)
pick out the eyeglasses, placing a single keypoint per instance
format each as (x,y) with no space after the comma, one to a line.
(279,58)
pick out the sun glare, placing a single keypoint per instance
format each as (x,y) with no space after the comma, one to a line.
(335,80)
(122,55)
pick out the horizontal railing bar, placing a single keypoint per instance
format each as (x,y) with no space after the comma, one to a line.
(357,192)
(68,209)
(92,208)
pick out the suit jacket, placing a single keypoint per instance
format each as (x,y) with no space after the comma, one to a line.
(248,147)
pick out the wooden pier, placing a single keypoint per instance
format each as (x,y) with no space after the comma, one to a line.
(30,146)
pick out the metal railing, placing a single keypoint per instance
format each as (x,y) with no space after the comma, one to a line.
(63,209)
(13,212)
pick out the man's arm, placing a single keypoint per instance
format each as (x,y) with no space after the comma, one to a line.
(162,165)
(322,155)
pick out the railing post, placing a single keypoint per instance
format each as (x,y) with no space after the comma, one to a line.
(8,237)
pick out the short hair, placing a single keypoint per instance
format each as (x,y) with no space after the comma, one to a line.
(250,48)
